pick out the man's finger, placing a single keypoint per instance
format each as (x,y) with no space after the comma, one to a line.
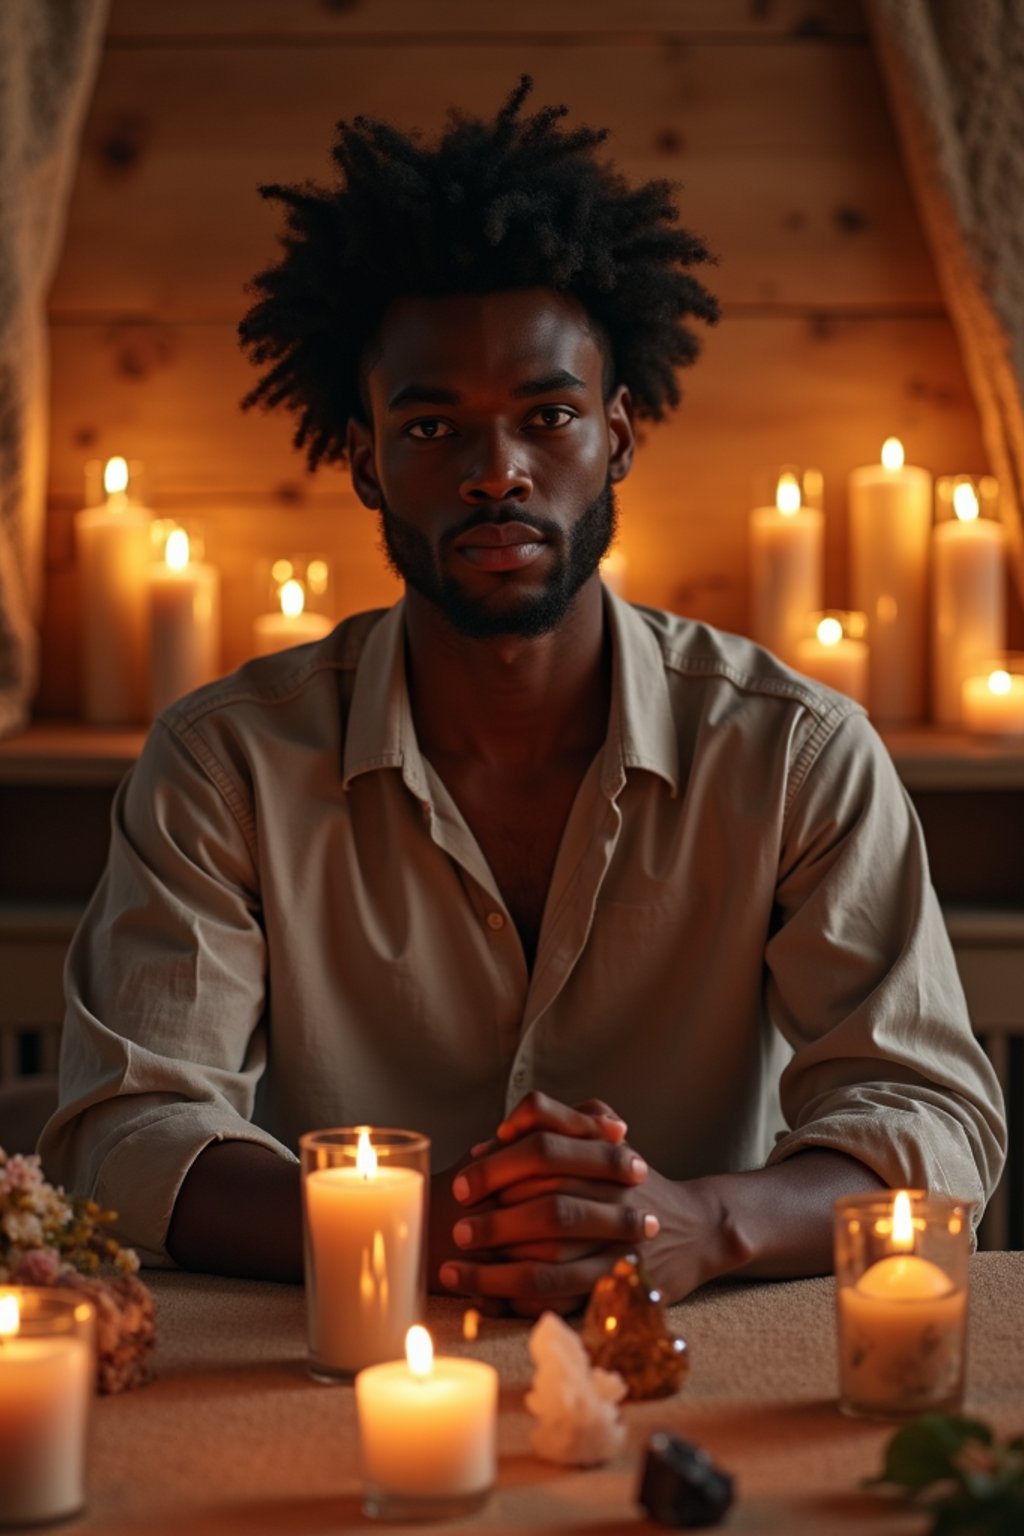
(530,1281)
(538,1111)
(557,1217)
(546,1154)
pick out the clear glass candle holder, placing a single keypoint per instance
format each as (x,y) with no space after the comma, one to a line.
(47,1373)
(901,1300)
(365,1193)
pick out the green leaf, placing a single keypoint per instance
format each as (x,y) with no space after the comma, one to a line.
(923,1452)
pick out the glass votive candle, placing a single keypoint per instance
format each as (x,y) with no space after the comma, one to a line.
(365,1193)
(295,591)
(901,1299)
(427,1434)
(835,652)
(47,1370)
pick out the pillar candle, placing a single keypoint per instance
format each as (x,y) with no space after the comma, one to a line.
(969,600)
(787,564)
(184,610)
(365,1228)
(291,625)
(427,1428)
(993,704)
(45,1390)
(835,658)
(113,550)
(890,527)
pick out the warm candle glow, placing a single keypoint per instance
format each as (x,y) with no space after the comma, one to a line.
(115,476)
(999,681)
(892,453)
(902,1223)
(965,502)
(176,550)
(830,631)
(787,495)
(366,1157)
(470,1324)
(293,599)
(10,1316)
(419,1351)
(318,575)
(282,571)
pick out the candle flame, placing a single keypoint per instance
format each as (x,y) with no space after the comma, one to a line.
(293,599)
(10,1315)
(366,1156)
(787,494)
(999,681)
(419,1351)
(115,476)
(892,453)
(176,550)
(965,502)
(830,631)
(902,1223)
(470,1324)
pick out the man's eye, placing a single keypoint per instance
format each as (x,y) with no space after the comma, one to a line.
(552,416)
(429,430)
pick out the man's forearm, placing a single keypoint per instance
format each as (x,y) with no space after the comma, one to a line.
(776,1223)
(239,1213)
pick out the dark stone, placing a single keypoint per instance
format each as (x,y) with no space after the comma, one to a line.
(680,1484)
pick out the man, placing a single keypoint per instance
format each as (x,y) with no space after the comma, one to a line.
(634,922)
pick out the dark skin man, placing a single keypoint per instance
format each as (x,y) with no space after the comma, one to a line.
(490,445)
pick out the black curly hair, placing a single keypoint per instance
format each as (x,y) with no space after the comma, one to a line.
(517,203)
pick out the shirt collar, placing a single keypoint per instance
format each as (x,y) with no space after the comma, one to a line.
(641,726)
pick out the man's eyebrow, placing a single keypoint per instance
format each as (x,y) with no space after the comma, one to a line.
(562,379)
(422,394)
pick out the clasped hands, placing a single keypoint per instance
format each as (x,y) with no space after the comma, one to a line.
(533,1217)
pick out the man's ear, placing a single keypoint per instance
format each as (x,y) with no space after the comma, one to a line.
(362,465)
(621,438)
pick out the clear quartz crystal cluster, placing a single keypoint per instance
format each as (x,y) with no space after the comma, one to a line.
(574,1403)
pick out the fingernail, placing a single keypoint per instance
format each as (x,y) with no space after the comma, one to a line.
(460,1188)
(638,1168)
(481,1146)
(463,1233)
(449,1275)
(615,1119)
(652,1226)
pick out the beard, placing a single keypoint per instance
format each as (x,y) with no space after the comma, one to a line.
(411,556)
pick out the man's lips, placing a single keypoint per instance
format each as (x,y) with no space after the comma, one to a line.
(500,546)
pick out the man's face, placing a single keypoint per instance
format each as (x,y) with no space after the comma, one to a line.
(492,455)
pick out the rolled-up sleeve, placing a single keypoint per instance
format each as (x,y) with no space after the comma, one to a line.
(164,1039)
(862,982)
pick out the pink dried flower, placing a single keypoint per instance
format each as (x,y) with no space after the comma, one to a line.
(40,1266)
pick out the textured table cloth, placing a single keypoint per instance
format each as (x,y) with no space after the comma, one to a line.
(234,1438)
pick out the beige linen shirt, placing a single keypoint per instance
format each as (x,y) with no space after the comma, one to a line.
(741,950)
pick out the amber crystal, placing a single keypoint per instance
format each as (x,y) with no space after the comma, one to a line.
(624,1330)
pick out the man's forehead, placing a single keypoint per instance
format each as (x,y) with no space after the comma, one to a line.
(520,335)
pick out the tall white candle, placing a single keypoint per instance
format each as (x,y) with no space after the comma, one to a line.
(184,611)
(787,545)
(427,1427)
(890,527)
(835,658)
(969,600)
(293,624)
(45,1392)
(993,704)
(365,1228)
(113,550)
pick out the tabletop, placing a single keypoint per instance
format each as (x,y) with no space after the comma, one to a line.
(234,1437)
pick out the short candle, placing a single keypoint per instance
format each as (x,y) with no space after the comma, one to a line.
(993,704)
(427,1432)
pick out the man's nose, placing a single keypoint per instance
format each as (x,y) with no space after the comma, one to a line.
(496,473)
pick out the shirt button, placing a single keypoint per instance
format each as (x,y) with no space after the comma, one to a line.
(496,921)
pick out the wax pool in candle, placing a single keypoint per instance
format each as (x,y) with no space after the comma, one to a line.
(113,551)
(993,704)
(890,526)
(291,625)
(836,659)
(184,622)
(427,1426)
(45,1391)
(901,1329)
(969,601)
(365,1229)
(786,553)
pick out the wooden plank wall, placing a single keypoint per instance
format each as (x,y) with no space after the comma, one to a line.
(770,112)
